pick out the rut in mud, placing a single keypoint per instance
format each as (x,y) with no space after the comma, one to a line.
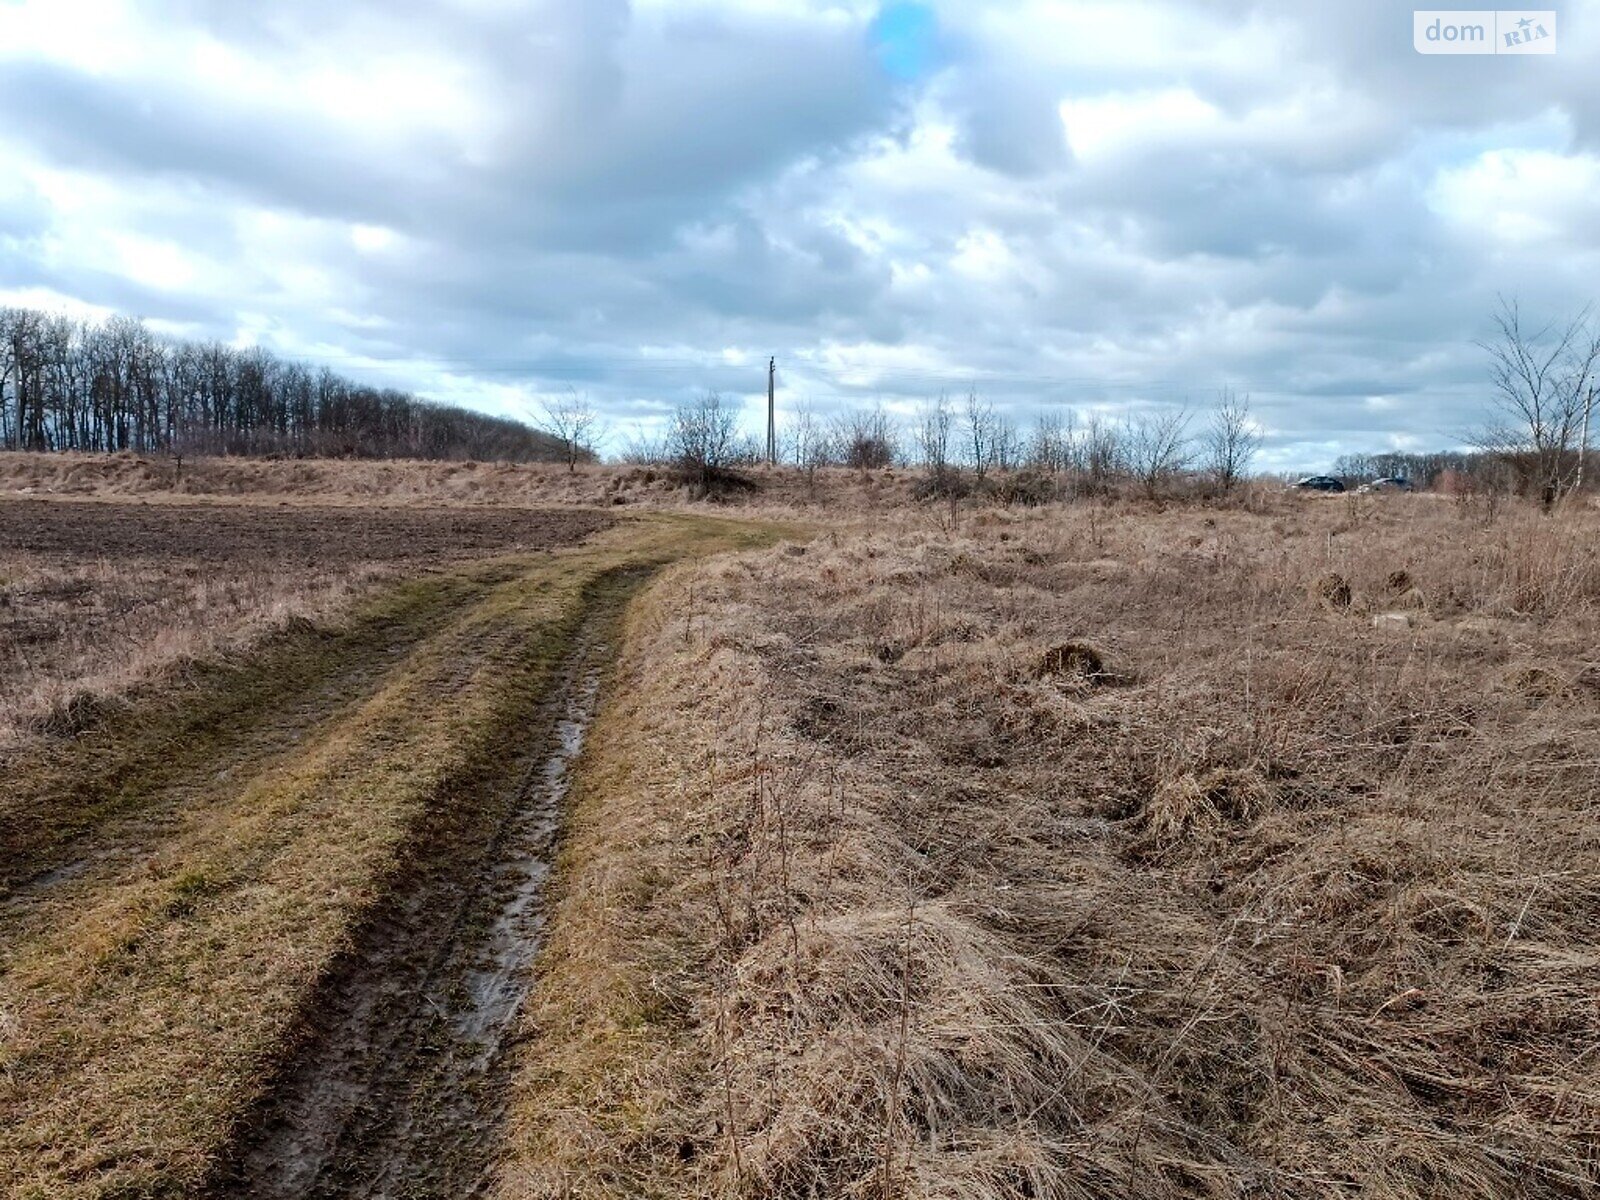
(398,1088)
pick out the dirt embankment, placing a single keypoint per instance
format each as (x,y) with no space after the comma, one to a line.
(396,483)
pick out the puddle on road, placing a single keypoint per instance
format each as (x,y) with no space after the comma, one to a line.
(402,1093)
(498,982)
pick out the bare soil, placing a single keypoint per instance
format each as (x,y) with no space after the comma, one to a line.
(282,535)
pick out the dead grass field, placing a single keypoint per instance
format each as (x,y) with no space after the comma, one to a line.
(98,597)
(1090,852)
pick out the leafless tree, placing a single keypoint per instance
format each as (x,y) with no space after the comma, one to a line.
(980,433)
(1100,453)
(115,385)
(703,438)
(572,420)
(866,438)
(935,428)
(805,439)
(1544,382)
(1006,443)
(1158,448)
(644,447)
(1050,444)
(1230,441)
(8,365)
(25,348)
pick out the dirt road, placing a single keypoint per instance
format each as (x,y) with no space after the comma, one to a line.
(399,1087)
(266,935)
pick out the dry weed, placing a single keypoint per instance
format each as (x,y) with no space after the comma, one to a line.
(1303,910)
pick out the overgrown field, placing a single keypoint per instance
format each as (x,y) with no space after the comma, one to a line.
(401,483)
(1090,852)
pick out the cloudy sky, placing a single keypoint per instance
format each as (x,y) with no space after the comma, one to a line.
(1091,205)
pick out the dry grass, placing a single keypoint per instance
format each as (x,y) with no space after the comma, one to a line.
(1105,850)
(875,889)
(404,483)
(75,636)
(323,480)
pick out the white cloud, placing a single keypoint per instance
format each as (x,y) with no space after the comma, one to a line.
(1522,197)
(1121,121)
(50,300)
(96,36)
(372,239)
(153,263)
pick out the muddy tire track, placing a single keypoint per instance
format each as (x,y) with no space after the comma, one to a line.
(113,792)
(398,1086)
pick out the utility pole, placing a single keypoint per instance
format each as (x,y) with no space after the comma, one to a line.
(1583,442)
(772,425)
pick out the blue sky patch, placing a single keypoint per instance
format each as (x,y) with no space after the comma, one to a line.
(905,37)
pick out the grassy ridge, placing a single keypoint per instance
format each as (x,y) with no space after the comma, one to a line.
(144,1003)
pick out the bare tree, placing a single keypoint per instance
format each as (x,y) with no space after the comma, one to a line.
(805,440)
(980,433)
(866,438)
(935,427)
(644,447)
(1230,441)
(25,347)
(1544,390)
(1356,466)
(115,385)
(1100,453)
(1006,444)
(1158,448)
(703,438)
(10,430)
(573,420)
(1050,444)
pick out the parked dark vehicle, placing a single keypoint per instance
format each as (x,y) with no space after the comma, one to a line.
(1319,483)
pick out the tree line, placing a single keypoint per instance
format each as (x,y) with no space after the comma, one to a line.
(114,385)
(969,445)
(1544,381)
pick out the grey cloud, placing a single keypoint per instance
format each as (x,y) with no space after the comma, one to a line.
(121,128)
(1010,121)
(754,180)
